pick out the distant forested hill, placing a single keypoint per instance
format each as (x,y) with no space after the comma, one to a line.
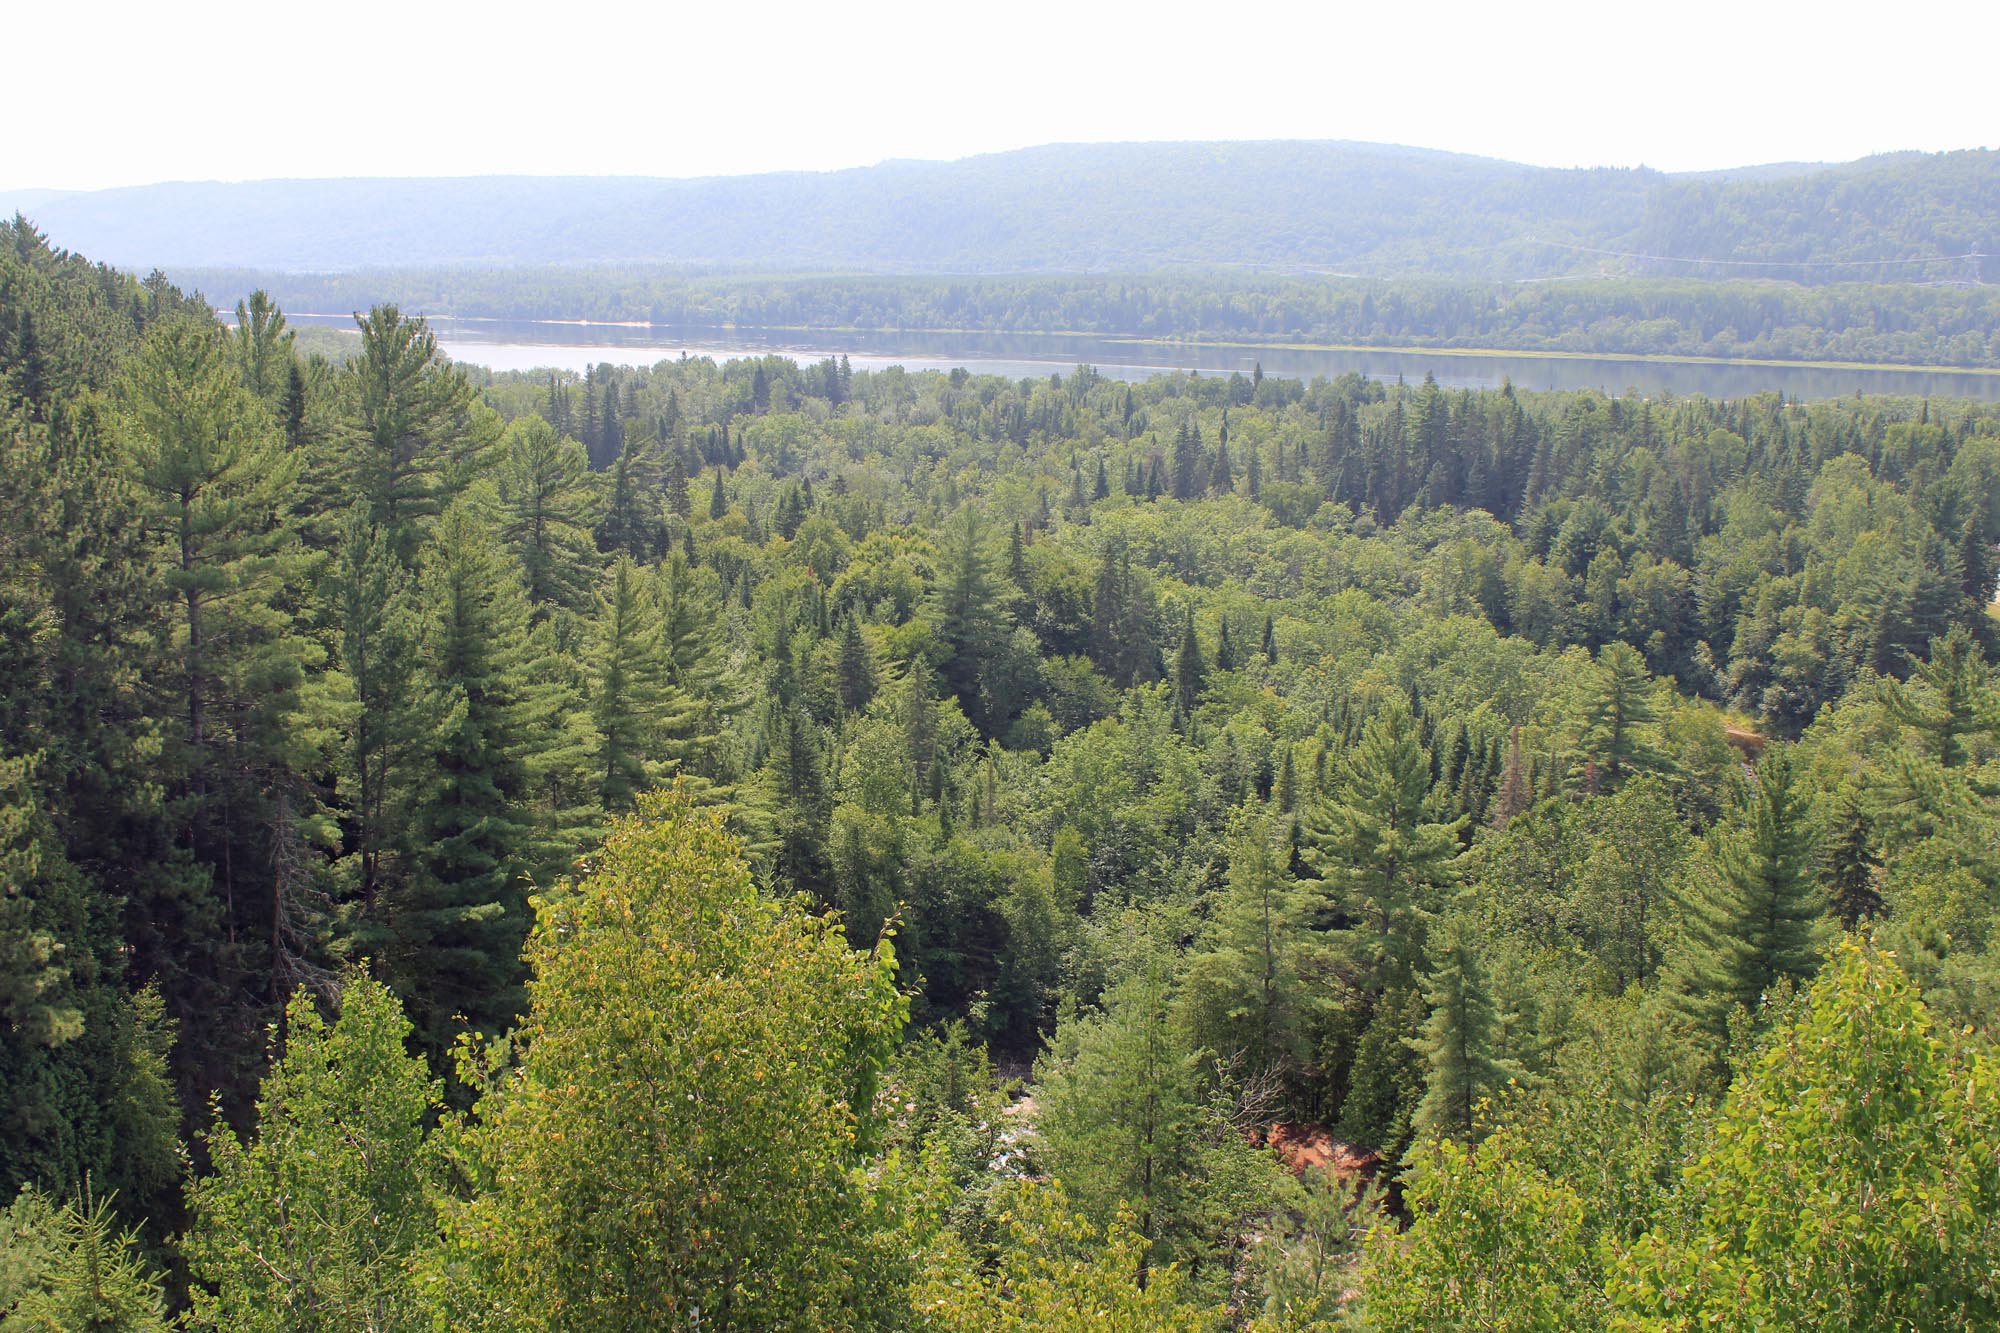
(1314,207)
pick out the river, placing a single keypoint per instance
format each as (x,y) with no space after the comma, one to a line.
(545,344)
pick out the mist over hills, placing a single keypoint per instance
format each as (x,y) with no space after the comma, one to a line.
(1300,207)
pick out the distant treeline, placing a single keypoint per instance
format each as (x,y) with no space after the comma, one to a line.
(1895,324)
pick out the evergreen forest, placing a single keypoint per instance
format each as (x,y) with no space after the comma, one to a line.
(765,846)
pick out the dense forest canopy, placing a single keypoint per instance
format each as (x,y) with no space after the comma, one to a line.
(1361,209)
(789,848)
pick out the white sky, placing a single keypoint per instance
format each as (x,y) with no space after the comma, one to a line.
(121,94)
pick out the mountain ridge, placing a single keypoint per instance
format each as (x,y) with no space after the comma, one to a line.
(1273,205)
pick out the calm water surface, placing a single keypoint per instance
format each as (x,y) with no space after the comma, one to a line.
(537,344)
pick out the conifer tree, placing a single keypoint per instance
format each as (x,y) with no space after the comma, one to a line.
(634,708)
(457,925)
(790,513)
(71,1268)
(1285,795)
(1961,701)
(1383,861)
(1618,718)
(968,610)
(1849,867)
(1385,1081)
(1125,1120)
(264,348)
(1189,670)
(213,476)
(292,404)
(801,803)
(689,596)
(679,504)
(1762,901)
(1458,1043)
(373,599)
(1244,987)
(855,674)
(548,504)
(918,714)
(1270,640)
(631,520)
(718,502)
(1187,461)
(418,433)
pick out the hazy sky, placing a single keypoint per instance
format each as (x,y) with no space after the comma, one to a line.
(110,94)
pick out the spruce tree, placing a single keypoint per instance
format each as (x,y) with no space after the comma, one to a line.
(373,600)
(1850,865)
(1244,987)
(1957,700)
(1189,670)
(1458,1042)
(855,675)
(920,739)
(497,709)
(679,504)
(73,1268)
(631,521)
(1187,461)
(689,596)
(633,706)
(1618,720)
(718,501)
(969,612)
(1756,921)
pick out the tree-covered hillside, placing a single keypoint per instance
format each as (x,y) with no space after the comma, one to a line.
(1317,207)
(770,847)
(1876,323)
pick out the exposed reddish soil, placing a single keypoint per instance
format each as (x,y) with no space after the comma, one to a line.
(1304,1147)
(1749,742)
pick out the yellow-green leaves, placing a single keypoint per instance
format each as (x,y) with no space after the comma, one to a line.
(685,1128)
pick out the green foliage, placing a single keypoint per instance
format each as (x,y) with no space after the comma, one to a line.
(1057,1271)
(1459,1039)
(332,664)
(1758,919)
(1850,1180)
(548,504)
(1130,1116)
(1383,862)
(1493,1245)
(417,436)
(692,1108)
(1245,988)
(70,1268)
(312,1223)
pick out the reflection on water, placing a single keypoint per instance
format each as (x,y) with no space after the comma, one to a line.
(534,344)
